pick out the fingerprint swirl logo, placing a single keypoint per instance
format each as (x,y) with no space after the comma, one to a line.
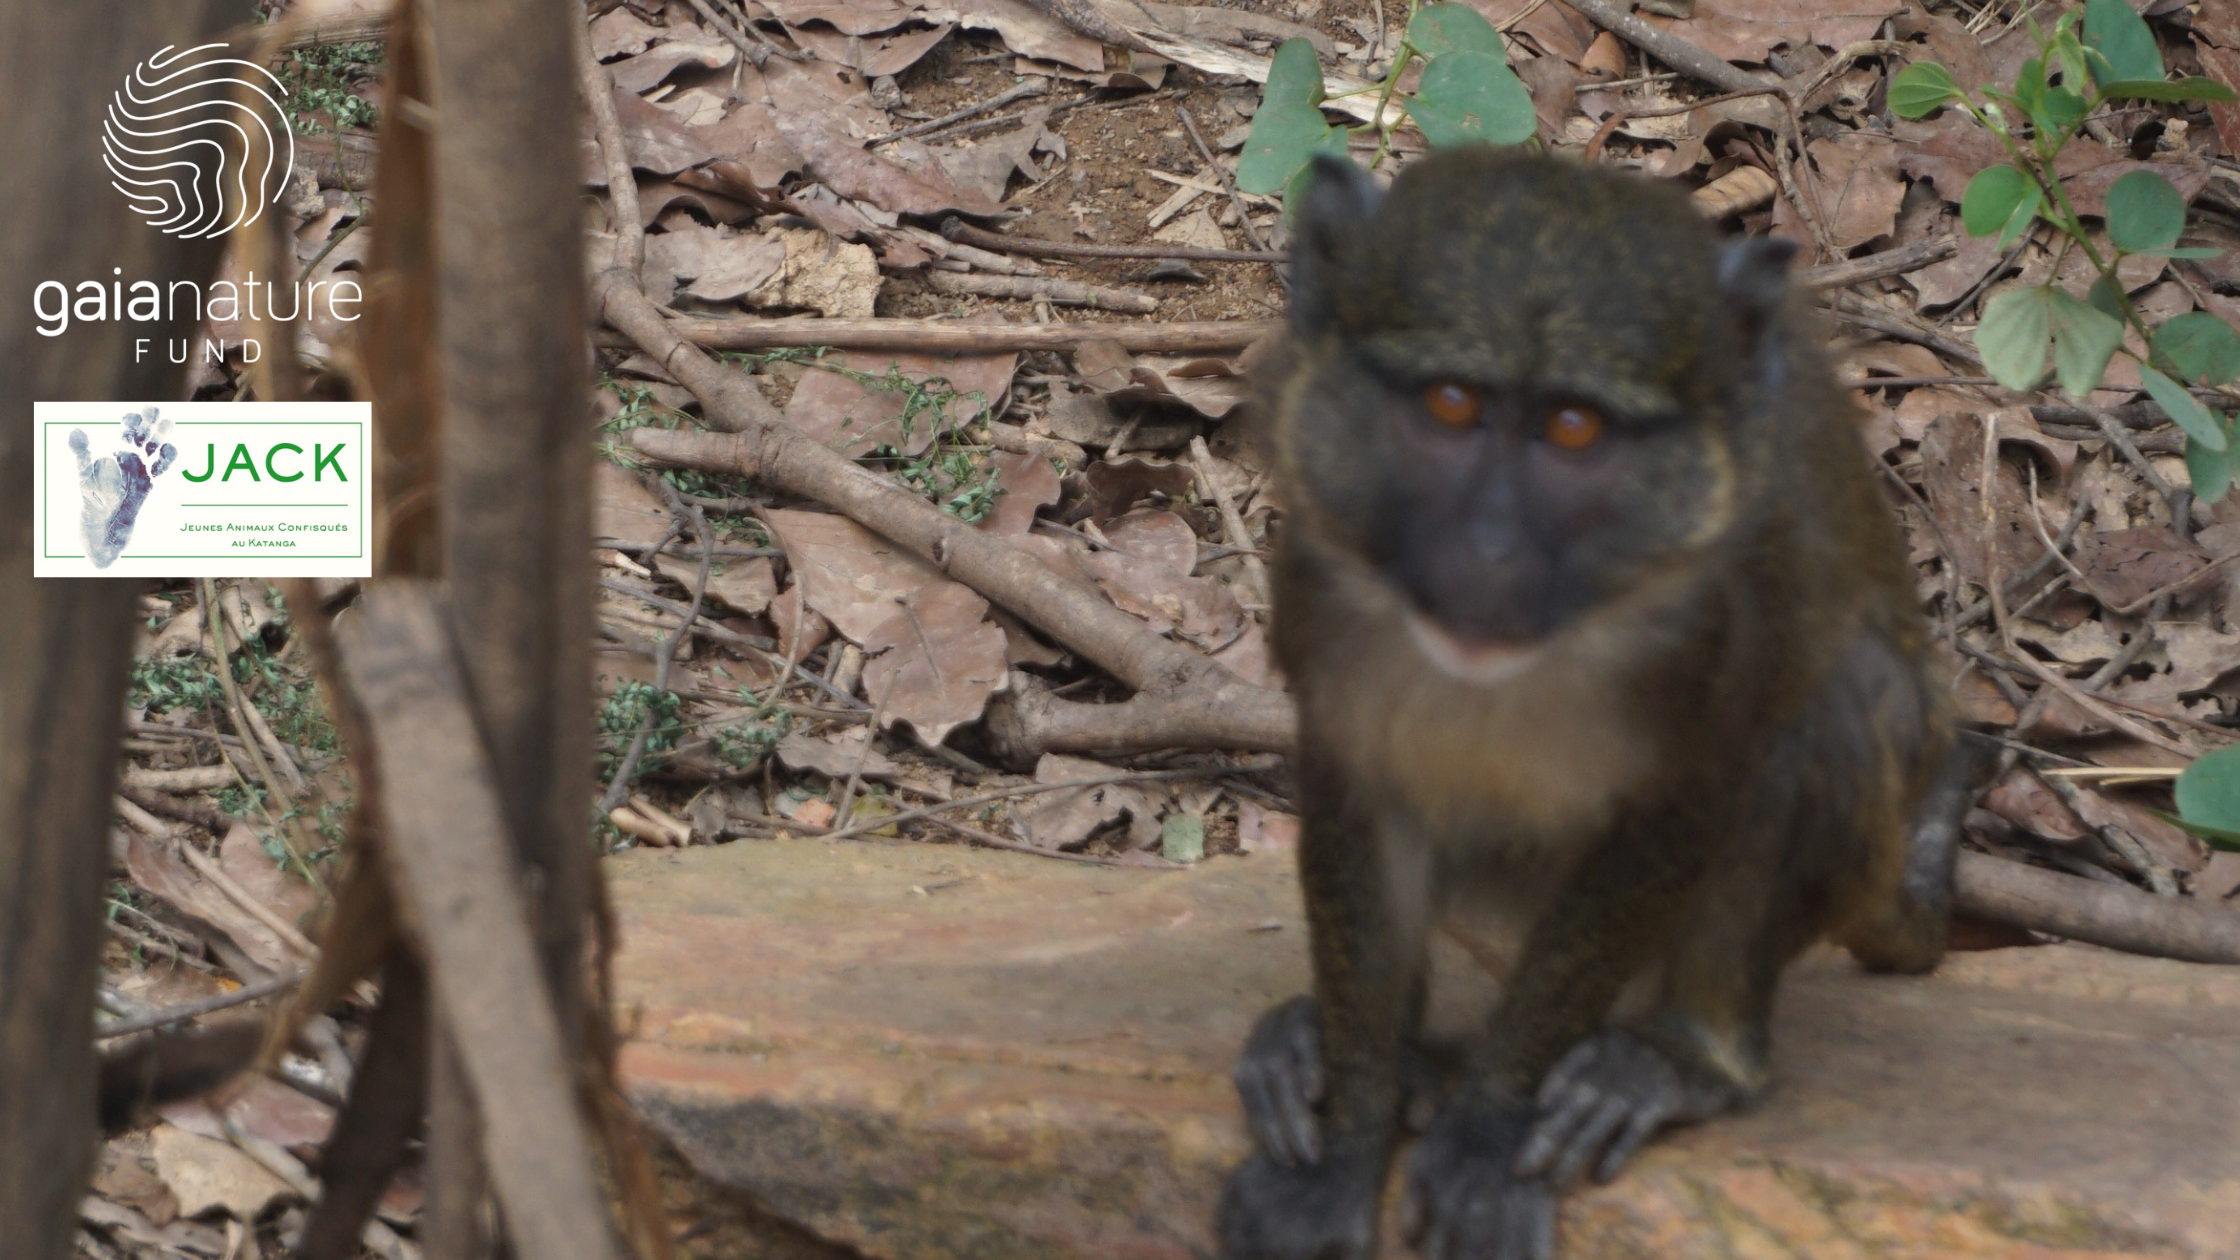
(197,142)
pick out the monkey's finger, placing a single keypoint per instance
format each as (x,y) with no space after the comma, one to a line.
(1559,1080)
(1540,1229)
(1561,1116)
(1266,1112)
(1590,1139)
(1640,1129)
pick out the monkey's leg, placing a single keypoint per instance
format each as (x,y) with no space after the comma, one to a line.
(1466,1199)
(1366,901)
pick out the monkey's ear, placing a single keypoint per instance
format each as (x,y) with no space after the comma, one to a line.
(1754,276)
(1335,206)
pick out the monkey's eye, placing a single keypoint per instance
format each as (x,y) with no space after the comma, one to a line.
(1573,428)
(1455,406)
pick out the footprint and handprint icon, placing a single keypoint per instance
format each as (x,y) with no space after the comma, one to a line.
(113,486)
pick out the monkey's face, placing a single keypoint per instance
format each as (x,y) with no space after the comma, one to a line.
(1516,389)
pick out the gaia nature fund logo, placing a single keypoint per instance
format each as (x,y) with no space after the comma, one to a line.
(197,141)
(210,489)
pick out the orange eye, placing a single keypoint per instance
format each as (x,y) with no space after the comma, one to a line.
(1455,406)
(1574,428)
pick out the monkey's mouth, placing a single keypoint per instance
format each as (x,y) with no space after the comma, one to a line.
(1470,659)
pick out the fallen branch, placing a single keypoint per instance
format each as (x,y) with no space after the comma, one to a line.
(1044,289)
(964,233)
(185,1011)
(1616,17)
(1890,262)
(1207,336)
(2117,916)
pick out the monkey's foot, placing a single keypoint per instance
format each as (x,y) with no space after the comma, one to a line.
(1465,1199)
(1279,1079)
(1326,1212)
(1606,1097)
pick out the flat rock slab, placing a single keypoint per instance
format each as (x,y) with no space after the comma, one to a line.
(928,1051)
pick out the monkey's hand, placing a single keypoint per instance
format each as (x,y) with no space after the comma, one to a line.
(1465,1199)
(1607,1096)
(1279,1079)
(1270,1211)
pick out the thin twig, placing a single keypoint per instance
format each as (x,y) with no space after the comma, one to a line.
(2180,502)
(666,655)
(958,230)
(1031,789)
(1019,91)
(1231,523)
(1228,181)
(195,1010)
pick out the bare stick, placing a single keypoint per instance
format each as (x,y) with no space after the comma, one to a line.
(1031,87)
(1044,289)
(197,1009)
(1210,336)
(958,230)
(1616,17)
(1232,524)
(1890,262)
(2116,916)
(1228,181)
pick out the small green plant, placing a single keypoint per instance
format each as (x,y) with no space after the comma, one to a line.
(2208,795)
(1468,94)
(620,717)
(322,82)
(742,744)
(2101,53)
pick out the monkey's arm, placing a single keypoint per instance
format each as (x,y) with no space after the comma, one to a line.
(1466,1199)
(1366,902)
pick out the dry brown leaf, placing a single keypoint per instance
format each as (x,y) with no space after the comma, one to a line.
(1148,574)
(205,1174)
(1116,485)
(639,73)
(2024,800)
(2125,565)
(1948,281)
(1746,30)
(1028,483)
(1952,468)
(1264,830)
(836,754)
(746,585)
(1024,29)
(242,856)
(623,509)
(619,32)
(172,882)
(853,577)
(846,167)
(887,52)
(711,264)
(935,662)
(658,142)
(263,1107)
(851,417)
(1063,819)
(849,17)
(2223,65)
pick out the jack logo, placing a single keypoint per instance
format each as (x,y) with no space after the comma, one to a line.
(112,487)
(198,142)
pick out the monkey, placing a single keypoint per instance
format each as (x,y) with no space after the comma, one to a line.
(168,1067)
(1596,622)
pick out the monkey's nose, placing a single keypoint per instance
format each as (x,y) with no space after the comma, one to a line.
(1492,541)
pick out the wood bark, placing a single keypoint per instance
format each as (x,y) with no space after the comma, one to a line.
(64,643)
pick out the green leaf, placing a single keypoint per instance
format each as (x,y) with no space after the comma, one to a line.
(2013,335)
(1921,89)
(2204,349)
(2084,339)
(2229,841)
(1334,145)
(2059,111)
(2024,215)
(2183,408)
(1439,29)
(2144,212)
(2117,32)
(1468,96)
(1182,837)
(2208,792)
(2105,297)
(2193,89)
(2213,471)
(1294,78)
(1283,137)
(1992,198)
